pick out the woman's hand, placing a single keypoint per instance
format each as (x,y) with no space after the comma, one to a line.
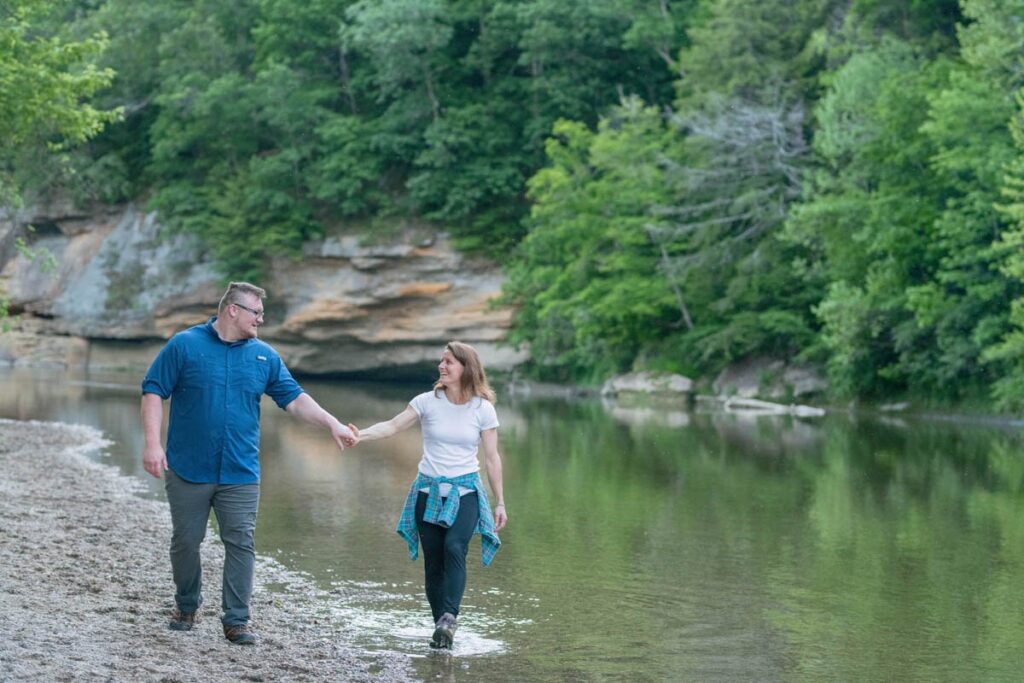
(355,433)
(500,517)
(343,436)
(489,440)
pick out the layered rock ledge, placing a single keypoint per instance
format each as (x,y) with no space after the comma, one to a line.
(115,284)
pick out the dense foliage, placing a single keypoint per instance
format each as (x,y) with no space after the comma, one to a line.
(44,81)
(673,185)
(259,123)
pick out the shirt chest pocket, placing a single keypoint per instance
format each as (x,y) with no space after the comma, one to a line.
(250,377)
(195,376)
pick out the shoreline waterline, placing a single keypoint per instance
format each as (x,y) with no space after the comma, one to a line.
(86,587)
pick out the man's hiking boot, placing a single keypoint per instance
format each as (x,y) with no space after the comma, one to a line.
(183,621)
(240,634)
(444,633)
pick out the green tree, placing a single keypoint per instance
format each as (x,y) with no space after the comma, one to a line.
(867,225)
(402,37)
(1008,390)
(587,283)
(900,220)
(433,111)
(45,81)
(963,308)
(740,170)
(741,109)
(718,280)
(752,51)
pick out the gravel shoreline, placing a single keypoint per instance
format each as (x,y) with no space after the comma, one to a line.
(86,589)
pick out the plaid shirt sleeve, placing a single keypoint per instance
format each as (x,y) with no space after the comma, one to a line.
(407,522)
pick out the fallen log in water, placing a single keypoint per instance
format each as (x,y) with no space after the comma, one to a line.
(738,404)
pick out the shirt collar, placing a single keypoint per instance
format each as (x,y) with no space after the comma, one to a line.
(212,331)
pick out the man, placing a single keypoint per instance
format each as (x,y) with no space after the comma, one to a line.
(214,375)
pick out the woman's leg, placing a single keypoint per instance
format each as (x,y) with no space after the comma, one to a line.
(456,545)
(432,539)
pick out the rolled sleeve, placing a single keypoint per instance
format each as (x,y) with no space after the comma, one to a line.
(162,376)
(282,386)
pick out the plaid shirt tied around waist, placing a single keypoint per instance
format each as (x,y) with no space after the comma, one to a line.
(444,515)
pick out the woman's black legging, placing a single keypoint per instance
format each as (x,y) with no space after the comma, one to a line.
(444,554)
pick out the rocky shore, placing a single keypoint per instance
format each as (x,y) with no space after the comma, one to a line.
(85,583)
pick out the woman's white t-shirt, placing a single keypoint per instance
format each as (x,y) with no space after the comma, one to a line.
(451,434)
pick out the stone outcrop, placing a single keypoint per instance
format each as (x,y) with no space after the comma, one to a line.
(650,384)
(769,379)
(121,282)
(19,348)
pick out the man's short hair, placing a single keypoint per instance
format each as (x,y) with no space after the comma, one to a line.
(237,290)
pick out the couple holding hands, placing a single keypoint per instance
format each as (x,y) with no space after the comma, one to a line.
(215,375)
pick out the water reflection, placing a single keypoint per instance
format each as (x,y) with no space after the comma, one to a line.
(649,545)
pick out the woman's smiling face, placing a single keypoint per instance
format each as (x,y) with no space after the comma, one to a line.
(450,370)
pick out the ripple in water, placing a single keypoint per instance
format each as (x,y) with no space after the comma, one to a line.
(379,624)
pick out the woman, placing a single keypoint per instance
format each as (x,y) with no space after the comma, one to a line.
(455,417)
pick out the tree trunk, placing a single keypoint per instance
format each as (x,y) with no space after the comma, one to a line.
(429,80)
(346,82)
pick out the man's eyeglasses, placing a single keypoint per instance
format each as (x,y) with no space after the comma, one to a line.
(258,314)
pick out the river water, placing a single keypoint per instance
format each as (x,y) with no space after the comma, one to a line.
(648,545)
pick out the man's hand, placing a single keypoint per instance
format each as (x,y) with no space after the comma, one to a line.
(308,410)
(154,460)
(343,436)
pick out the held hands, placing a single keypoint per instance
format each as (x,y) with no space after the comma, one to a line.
(154,460)
(344,436)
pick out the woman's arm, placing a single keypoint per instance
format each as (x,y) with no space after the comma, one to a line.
(382,430)
(489,437)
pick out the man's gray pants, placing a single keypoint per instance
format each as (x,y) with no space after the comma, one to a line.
(235,506)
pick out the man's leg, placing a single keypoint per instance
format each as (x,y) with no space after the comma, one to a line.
(432,541)
(456,545)
(190,511)
(236,507)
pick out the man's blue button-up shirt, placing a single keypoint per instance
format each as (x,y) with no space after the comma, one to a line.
(215,389)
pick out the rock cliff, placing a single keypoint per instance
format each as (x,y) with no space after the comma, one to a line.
(118,284)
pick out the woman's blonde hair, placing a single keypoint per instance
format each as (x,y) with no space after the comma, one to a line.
(474,378)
